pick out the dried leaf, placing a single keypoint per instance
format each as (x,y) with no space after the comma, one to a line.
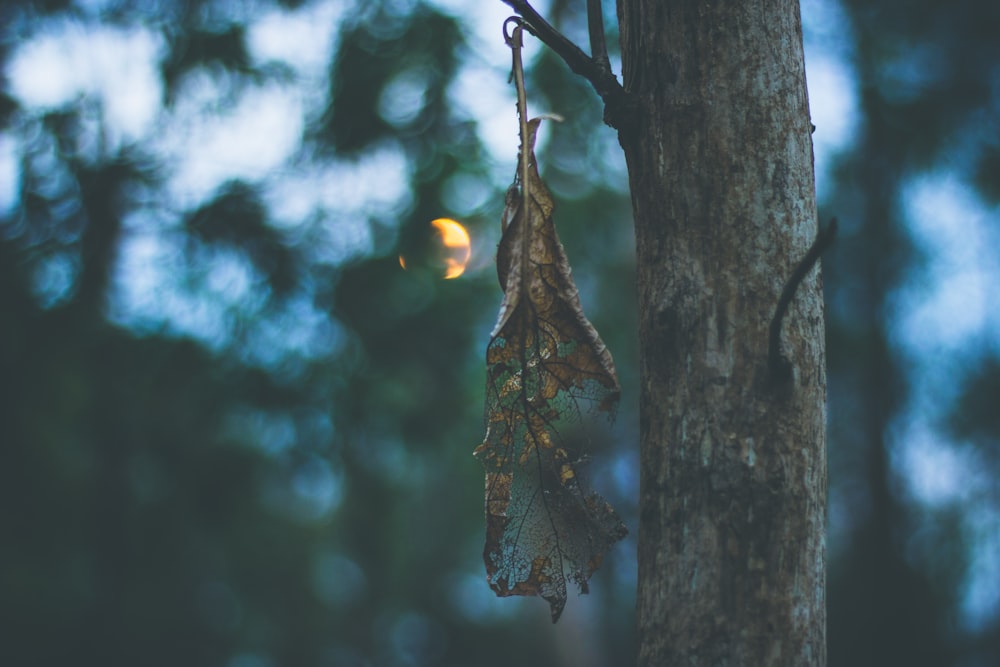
(544,363)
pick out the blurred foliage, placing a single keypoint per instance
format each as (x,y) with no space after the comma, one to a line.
(237,218)
(418,50)
(271,464)
(976,415)
(176,497)
(901,572)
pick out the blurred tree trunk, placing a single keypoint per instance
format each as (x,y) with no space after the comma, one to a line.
(733,462)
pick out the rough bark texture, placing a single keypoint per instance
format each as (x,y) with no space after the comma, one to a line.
(733,479)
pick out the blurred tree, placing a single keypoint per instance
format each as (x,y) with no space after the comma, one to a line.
(924,74)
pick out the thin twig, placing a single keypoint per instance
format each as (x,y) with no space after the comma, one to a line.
(779,366)
(598,45)
(600,77)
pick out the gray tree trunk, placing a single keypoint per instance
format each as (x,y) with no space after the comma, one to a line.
(733,478)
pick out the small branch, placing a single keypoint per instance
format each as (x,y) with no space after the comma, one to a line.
(592,69)
(598,45)
(779,366)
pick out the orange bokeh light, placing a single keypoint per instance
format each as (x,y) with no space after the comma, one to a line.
(451,250)
(455,238)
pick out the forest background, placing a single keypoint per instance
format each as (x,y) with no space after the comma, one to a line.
(235,432)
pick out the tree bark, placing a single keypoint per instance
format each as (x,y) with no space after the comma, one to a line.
(733,461)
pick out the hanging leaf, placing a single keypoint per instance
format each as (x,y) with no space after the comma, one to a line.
(545,364)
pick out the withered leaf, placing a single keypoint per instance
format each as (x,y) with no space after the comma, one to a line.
(545,364)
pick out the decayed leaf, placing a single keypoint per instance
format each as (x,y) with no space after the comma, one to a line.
(544,362)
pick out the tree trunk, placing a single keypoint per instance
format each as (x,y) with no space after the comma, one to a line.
(733,461)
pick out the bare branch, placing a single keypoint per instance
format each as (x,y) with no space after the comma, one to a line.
(592,69)
(779,366)
(598,45)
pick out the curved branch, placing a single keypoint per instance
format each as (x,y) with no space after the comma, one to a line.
(778,364)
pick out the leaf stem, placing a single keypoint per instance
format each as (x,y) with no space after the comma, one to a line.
(516,42)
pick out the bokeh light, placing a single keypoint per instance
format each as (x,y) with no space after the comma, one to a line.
(446,248)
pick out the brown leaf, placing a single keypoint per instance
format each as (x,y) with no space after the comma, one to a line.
(544,362)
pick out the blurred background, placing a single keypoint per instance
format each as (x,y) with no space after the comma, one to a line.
(236,432)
